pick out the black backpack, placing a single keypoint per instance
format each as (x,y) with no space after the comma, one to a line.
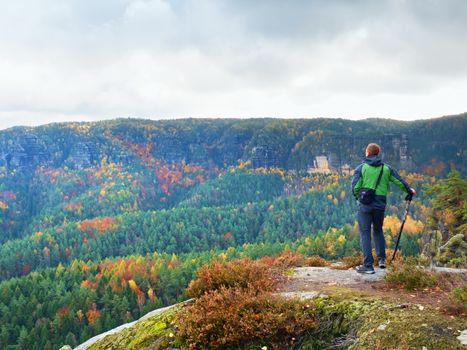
(367,195)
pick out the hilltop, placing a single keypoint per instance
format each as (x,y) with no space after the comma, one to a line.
(285,143)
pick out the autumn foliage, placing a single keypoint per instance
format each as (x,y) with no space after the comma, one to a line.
(100,225)
(315,260)
(243,273)
(284,260)
(234,305)
(230,317)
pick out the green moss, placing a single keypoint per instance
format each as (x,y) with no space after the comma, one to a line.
(156,332)
(289,272)
(378,324)
(407,328)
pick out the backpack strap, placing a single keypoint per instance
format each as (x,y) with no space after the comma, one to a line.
(379,177)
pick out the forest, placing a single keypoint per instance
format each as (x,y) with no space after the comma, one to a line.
(103,222)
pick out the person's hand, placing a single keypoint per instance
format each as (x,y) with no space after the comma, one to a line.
(410,195)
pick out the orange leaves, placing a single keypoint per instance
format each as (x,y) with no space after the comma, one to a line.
(92,316)
(436,167)
(199,178)
(100,225)
(165,188)
(151,294)
(177,174)
(143,152)
(73,206)
(133,286)
(236,273)
(283,260)
(227,235)
(126,271)
(36,236)
(139,294)
(315,260)
(234,304)
(90,284)
(173,261)
(188,182)
(167,176)
(228,318)
(63,311)
(3,205)
(191,168)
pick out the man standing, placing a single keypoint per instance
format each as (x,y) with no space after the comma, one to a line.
(371,175)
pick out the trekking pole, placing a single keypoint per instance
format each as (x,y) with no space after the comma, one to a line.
(402,227)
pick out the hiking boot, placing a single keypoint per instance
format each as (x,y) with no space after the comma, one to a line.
(382,264)
(365,269)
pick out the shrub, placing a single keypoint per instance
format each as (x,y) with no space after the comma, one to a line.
(284,260)
(230,317)
(243,273)
(399,258)
(409,275)
(315,260)
(352,261)
(357,259)
(456,303)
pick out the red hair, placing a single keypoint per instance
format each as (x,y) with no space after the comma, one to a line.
(373,149)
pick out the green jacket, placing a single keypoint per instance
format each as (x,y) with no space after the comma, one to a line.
(366,175)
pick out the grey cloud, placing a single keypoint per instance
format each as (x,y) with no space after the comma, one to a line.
(220,57)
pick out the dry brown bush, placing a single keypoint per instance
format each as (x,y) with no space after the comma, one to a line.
(284,260)
(315,260)
(243,273)
(230,317)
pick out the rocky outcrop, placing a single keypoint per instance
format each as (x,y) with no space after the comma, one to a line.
(84,155)
(290,144)
(170,149)
(23,151)
(455,249)
(263,157)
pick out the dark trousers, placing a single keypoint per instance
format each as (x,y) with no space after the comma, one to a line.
(366,218)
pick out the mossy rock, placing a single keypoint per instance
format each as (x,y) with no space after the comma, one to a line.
(156,332)
(346,320)
(454,249)
(408,328)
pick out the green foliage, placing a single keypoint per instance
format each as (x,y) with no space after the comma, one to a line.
(409,275)
(449,203)
(457,301)
(185,229)
(234,188)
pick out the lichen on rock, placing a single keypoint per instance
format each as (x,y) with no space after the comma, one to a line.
(156,332)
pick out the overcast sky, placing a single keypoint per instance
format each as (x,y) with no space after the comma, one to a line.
(97,59)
